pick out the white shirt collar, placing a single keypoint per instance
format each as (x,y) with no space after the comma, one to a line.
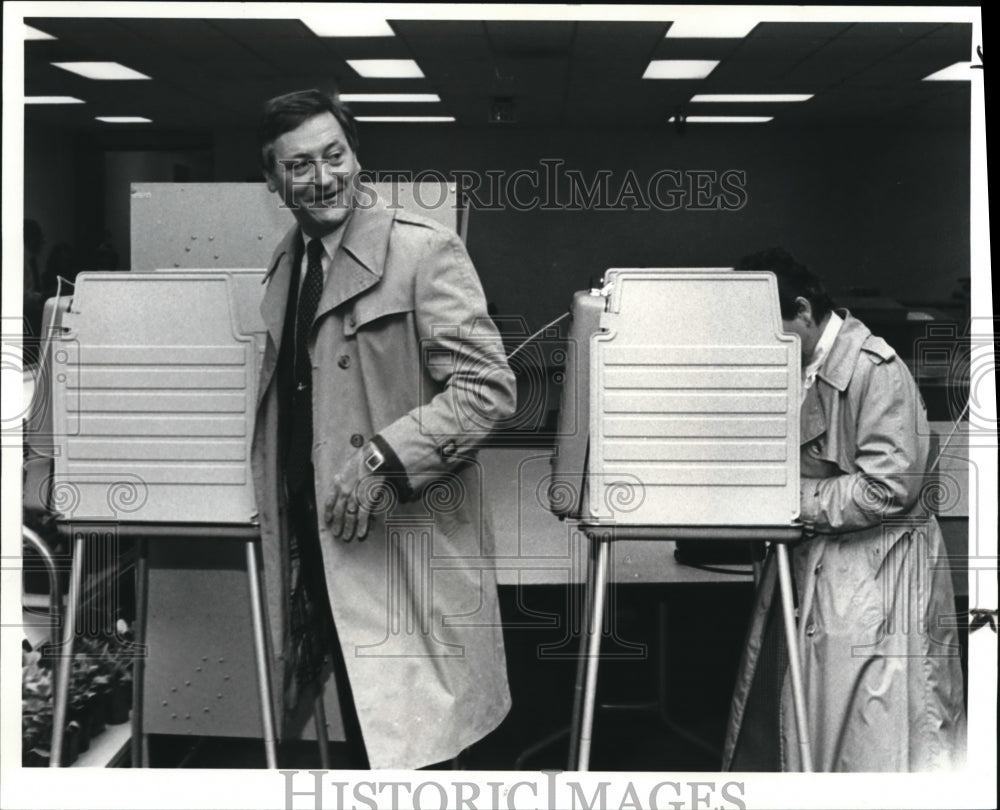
(823,346)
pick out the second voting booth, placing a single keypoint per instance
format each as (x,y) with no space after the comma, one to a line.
(679,420)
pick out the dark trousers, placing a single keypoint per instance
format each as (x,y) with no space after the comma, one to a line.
(303,513)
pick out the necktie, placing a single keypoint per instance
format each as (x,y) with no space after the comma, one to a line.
(309,295)
(300,446)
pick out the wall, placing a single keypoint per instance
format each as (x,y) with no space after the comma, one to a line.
(880,208)
(50,182)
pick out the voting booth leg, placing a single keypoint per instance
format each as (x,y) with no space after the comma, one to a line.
(581,670)
(794,662)
(591,655)
(139,743)
(261,657)
(65,653)
(319,714)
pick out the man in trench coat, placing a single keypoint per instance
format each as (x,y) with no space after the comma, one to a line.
(877,624)
(398,376)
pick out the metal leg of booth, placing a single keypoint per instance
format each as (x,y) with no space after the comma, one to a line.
(65,653)
(319,715)
(139,744)
(581,669)
(590,654)
(261,657)
(794,661)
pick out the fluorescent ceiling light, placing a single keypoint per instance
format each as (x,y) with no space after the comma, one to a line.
(711,25)
(101,70)
(680,68)
(959,72)
(52,100)
(332,24)
(386,68)
(750,97)
(34,33)
(406,119)
(349,98)
(724,119)
(123,119)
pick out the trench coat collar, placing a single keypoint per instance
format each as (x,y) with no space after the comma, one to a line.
(356,266)
(835,375)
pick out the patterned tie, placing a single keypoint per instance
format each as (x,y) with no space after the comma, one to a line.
(300,445)
(309,295)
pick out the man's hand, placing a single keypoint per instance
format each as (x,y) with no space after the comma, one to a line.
(348,507)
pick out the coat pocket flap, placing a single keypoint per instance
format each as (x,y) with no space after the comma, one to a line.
(368,309)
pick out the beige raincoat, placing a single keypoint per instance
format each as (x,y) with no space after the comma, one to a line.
(879,648)
(403,347)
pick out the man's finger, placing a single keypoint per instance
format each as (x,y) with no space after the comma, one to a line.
(339,508)
(350,519)
(364,518)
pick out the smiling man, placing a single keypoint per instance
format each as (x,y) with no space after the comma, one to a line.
(382,373)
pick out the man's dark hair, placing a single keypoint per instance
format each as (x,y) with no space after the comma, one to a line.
(284,113)
(794,281)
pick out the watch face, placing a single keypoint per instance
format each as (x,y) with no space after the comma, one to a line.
(374,459)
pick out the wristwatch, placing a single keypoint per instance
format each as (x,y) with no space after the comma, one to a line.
(373,457)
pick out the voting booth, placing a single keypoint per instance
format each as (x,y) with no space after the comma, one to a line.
(679,421)
(152,403)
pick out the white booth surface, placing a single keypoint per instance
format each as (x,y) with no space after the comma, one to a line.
(154,397)
(694,401)
(237,225)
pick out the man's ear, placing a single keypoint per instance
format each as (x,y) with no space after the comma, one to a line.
(803,311)
(272,183)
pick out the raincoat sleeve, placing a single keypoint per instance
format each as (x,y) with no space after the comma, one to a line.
(461,353)
(890,452)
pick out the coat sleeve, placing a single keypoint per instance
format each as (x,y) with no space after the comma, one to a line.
(890,456)
(461,351)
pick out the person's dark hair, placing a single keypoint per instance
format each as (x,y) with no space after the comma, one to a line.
(794,281)
(284,113)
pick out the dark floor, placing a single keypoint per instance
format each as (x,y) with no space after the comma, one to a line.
(703,629)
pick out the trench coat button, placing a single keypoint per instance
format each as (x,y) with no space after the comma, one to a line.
(357,440)
(819,567)
(344,361)
(810,629)
(352,320)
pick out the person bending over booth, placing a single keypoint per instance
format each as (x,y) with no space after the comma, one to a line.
(876,611)
(382,373)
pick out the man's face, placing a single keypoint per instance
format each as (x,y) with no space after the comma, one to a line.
(314,172)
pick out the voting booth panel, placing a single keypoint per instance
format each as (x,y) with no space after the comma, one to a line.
(690,390)
(157,403)
(680,404)
(694,402)
(236,225)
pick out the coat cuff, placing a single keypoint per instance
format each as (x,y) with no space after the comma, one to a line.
(393,470)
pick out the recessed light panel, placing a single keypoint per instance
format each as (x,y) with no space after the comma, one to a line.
(959,72)
(52,100)
(364,98)
(104,71)
(34,33)
(333,24)
(406,119)
(680,68)
(741,98)
(124,119)
(711,25)
(724,119)
(386,68)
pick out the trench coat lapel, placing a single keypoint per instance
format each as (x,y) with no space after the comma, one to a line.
(358,264)
(272,306)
